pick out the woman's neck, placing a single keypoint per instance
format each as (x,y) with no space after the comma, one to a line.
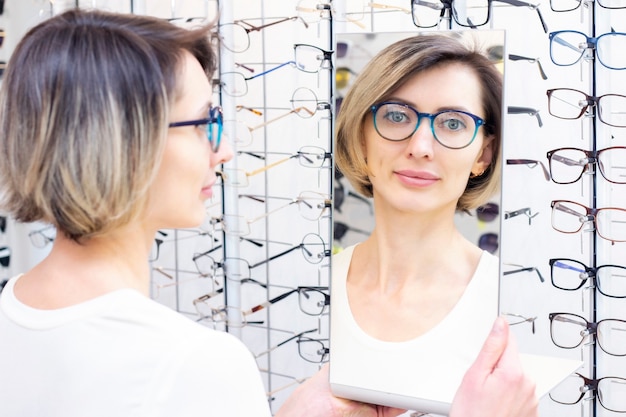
(76,272)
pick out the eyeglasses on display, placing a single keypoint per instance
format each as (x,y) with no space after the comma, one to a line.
(313,301)
(308,156)
(571,104)
(237,37)
(313,350)
(214,123)
(472,13)
(569,5)
(454,129)
(489,242)
(570,275)
(568,331)
(567,165)
(284,342)
(567,47)
(569,217)
(340,229)
(488,212)
(610,391)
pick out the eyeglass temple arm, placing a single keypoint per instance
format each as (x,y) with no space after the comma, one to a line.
(558,206)
(565,43)
(296,110)
(525,269)
(519,3)
(571,162)
(532,163)
(271,258)
(525,110)
(514,57)
(270,70)
(273,164)
(296,336)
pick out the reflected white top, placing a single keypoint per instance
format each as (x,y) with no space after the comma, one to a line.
(430,366)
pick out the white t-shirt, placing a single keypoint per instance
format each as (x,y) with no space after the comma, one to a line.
(118,355)
(430,366)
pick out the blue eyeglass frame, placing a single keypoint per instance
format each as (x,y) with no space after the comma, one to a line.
(477,120)
(214,116)
(590,43)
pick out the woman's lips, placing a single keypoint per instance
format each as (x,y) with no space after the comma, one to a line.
(416,178)
(207,191)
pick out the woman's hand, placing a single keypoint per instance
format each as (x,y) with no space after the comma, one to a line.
(314,399)
(495,385)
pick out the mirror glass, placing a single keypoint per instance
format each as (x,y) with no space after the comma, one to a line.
(407,342)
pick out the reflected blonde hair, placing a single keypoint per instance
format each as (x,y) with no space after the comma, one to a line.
(385,74)
(84,117)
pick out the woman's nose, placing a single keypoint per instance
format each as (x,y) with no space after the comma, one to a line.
(224,154)
(422,140)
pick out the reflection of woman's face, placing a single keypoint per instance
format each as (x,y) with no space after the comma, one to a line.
(419,174)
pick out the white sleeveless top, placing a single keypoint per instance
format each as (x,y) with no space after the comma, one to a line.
(430,366)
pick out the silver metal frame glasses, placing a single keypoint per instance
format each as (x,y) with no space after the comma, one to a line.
(567,47)
(569,217)
(214,125)
(568,331)
(453,129)
(571,275)
(567,165)
(571,104)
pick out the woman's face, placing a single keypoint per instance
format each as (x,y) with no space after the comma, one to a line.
(188,169)
(419,174)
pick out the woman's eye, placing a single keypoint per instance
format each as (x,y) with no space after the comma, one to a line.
(453,123)
(396,117)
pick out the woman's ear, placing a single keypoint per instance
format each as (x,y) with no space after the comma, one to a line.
(484,158)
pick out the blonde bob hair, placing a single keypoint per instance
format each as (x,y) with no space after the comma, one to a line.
(84,117)
(385,74)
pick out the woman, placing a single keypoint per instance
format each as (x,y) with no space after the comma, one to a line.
(104,126)
(419,132)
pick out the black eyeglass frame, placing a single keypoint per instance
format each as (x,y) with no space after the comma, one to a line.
(447,5)
(585,273)
(214,116)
